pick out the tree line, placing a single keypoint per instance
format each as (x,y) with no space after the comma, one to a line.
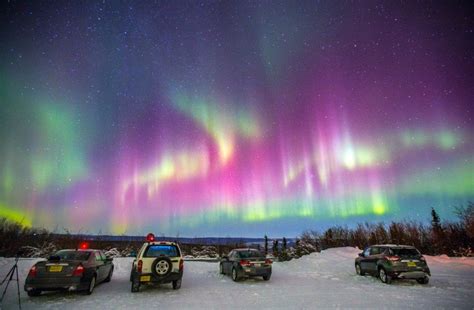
(453,238)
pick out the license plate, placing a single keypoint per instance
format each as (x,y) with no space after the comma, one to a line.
(145,278)
(55,268)
(411,264)
(257,265)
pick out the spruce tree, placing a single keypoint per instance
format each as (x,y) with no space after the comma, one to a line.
(435,220)
(275,248)
(437,232)
(266,244)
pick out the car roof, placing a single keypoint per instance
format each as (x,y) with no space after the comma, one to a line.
(162,243)
(245,249)
(394,246)
(80,250)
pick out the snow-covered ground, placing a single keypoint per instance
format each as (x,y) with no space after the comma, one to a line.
(319,280)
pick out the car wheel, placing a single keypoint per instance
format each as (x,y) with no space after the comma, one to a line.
(34,293)
(109,277)
(221,269)
(131,272)
(267,277)
(384,277)
(177,284)
(91,287)
(359,270)
(424,280)
(135,286)
(235,275)
(162,267)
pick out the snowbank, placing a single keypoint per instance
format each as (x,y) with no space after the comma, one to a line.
(319,280)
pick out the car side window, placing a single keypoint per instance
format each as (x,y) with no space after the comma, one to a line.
(98,257)
(374,251)
(367,252)
(104,258)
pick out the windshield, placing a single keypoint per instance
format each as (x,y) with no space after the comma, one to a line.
(73,255)
(161,250)
(249,254)
(404,252)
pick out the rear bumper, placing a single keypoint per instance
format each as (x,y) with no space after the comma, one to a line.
(412,274)
(54,284)
(173,276)
(255,271)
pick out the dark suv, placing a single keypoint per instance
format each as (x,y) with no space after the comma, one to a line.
(389,262)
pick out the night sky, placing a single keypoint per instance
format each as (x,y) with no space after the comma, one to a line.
(234,118)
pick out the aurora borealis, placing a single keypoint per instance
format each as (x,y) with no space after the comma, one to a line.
(233,118)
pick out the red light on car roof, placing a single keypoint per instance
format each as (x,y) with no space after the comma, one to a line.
(150,237)
(84,246)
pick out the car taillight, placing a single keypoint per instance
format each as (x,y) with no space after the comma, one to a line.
(423,259)
(268,261)
(79,271)
(393,258)
(181,265)
(33,272)
(245,263)
(140,266)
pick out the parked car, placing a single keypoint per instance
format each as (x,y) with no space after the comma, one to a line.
(72,270)
(389,262)
(244,263)
(157,262)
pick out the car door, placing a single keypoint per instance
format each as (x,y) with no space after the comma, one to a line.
(99,263)
(364,261)
(226,263)
(373,258)
(107,264)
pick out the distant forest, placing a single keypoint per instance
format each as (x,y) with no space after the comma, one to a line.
(453,238)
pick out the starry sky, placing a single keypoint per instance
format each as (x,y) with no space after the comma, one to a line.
(234,118)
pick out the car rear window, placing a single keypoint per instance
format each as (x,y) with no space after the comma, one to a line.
(249,254)
(404,252)
(157,250)
(73,255)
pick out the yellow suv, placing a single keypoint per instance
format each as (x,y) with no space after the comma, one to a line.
(157,262)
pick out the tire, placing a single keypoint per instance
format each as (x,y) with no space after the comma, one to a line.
(424,280)
(135,286)
(384,277)
(235,275)
(176,284)
(161,267)
(131,272)
(91,286)
(267,277)
(34,293)
(221,269)
(109,277)
(359,270)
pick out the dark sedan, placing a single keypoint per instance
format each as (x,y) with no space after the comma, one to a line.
(244,263)
(72,270)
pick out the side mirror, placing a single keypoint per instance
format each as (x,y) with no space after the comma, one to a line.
(225,257)
(361,254)
(109,259)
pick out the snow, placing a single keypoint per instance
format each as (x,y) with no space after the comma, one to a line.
(319,280)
